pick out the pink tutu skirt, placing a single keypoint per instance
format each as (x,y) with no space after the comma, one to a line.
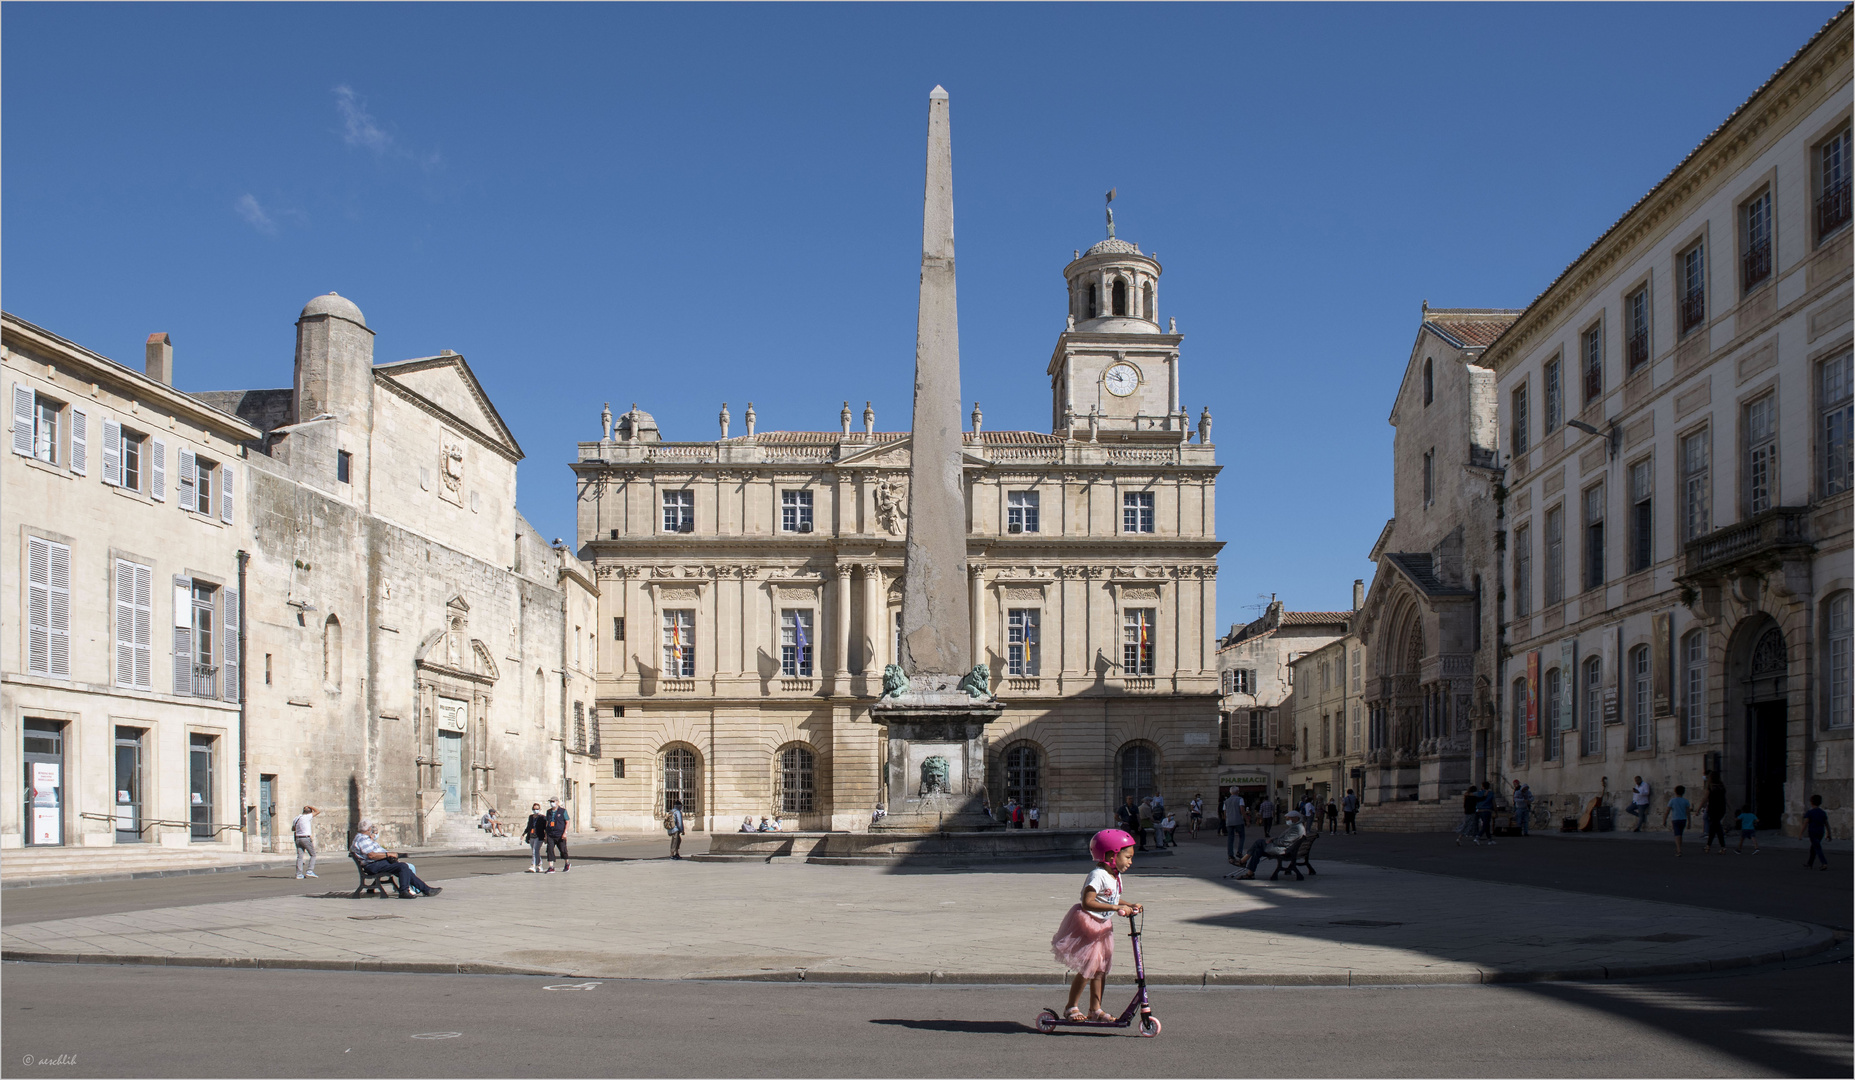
(1083,943)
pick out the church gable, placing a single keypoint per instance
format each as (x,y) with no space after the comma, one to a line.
(448,383)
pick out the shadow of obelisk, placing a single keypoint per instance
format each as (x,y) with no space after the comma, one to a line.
(936,703)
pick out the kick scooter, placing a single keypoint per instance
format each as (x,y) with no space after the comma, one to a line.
(1049,1019)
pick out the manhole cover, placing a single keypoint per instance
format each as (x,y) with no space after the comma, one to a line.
(370,918)
(1361,922)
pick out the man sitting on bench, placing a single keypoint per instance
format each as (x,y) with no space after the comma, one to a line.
(377,860)
(1284,842)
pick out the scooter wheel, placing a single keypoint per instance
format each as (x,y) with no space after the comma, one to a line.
(1149,1026)
(1046,1021)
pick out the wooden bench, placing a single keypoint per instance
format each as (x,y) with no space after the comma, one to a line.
(374,884)
(1294,859)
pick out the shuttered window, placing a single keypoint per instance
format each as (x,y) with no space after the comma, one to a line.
(225,495)
(134,625)
(157,470)
(189,500)
(48,608)
(183,636)
(112,452)
(23,419)
(228,648)
(80,442)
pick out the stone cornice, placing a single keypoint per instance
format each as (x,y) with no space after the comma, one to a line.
(1694,177)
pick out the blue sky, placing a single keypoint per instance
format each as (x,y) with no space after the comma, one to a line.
(684,205)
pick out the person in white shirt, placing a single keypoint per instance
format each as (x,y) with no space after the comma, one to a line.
(1031,813)
(1639,804)
(305,829)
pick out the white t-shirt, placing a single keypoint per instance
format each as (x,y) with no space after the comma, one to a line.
(1107,889)
(305,824)
(1033,813)
(1640,797)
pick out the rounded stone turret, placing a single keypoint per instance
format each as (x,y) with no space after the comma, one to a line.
(1114,289)
(334,304)
(334,363)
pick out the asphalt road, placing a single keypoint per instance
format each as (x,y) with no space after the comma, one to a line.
(126,1021)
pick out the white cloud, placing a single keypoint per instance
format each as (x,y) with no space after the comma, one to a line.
(254,214)
(358,126)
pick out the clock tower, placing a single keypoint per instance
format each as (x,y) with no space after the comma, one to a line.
(1114,362)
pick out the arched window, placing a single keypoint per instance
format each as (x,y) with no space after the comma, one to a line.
(1120,296)
(682,780)
(1836,622)
(1147,307)
(1520,721)
(1642,691)
(1768,656)
(1023,775)
(1694,687)
(1429,381)
(539,687)
(1094,307)
(1137,761)
(1593,706)
(797,780)
(331,653)
(1551,707)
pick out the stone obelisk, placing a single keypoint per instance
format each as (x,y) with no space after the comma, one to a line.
(935,623)
(936,702)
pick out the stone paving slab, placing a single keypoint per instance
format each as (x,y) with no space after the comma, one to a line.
(1352,924)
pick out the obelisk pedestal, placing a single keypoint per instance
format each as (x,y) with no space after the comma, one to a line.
(936,703)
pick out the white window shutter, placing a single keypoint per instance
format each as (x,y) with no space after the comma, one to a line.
(183,636)
(125,623)
(22,419)
(157,470)
(144,628)
(60,613)
(80,442)
(38,606)
(1275,729)
(229,638)
(188,501)
(112,452)
(226,484)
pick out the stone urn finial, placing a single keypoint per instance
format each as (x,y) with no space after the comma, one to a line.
(724,419)
(843,418)
(605,423)
(749,419)
(1204,427)
(978,418)
(869,419)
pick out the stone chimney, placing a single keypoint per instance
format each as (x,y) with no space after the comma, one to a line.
(158,359)
(1358,593)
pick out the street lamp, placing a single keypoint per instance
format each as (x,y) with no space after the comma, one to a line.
(1614,436)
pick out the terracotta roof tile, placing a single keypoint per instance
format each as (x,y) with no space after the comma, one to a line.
(1314,618)
(1470,328)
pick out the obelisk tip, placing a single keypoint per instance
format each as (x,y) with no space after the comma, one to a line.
(939,93)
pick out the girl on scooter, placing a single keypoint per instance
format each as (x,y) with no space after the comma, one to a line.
(1085,940)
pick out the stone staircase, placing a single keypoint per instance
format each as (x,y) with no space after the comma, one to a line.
(1411,817)
(49,865)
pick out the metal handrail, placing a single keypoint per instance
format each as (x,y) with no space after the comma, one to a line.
(149,823)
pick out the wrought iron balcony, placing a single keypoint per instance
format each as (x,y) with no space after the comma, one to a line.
(1761,540)
(1693,310)
(1832,209)
(1638,349)
(1755,265)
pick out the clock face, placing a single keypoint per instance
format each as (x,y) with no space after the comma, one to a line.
(1121,380)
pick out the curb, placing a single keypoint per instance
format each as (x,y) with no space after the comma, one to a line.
(1823,941)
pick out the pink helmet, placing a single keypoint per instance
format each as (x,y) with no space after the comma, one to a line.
(1107,842)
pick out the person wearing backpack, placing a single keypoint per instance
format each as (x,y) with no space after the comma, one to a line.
(673,824)
(557,836)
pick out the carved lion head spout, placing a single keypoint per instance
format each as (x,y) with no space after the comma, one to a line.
(978,683)
(894,683)
(935,775)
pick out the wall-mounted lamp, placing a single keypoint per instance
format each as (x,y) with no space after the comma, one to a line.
(1614,436)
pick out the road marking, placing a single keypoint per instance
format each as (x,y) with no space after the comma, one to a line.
(439,1035)
(571,986)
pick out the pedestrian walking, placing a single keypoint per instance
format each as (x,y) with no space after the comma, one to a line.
(1639,805)
(673,824)
(1470,800)
(305,829)
(535,832)
(1196,812)
(1484,815)
(1265,815)
(1816,829)
(1084,941)
(1309,814)
(1349,806)
(1748,830)
(1523,806)
(1714,807)
(1233,826)
(1676,816)
(557,836)
(1333,816)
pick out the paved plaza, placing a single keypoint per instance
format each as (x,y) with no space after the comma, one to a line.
(1352,923)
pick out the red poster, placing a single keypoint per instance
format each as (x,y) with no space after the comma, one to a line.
(1533,694)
